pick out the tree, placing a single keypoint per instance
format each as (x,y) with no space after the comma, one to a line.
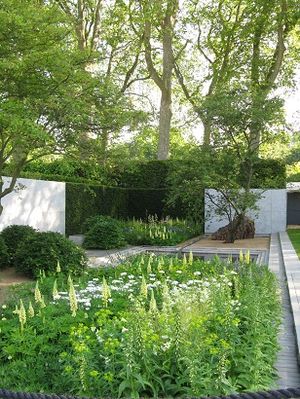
(157,20)
(44,90)
(242,43)
(102,29)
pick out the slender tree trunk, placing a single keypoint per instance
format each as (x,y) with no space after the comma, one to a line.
(104,144)
(164,125)
(206,133)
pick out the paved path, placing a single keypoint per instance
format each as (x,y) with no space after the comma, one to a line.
(287,365)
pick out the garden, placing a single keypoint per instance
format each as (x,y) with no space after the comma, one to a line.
(137,108)
(155,326)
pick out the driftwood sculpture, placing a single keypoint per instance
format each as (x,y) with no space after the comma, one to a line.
(239,228)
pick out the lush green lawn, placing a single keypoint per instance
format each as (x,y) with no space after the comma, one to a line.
(294,235)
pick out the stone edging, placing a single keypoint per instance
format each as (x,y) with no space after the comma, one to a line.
(292,269)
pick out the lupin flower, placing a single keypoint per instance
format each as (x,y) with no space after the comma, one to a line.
(106,294)
(184,261)
(30,310)
(166,297)
(55,293)
(69,281)
(144,288)
(152,305)
(22,315)
(149,269)
(37,293)
(72,297)
(58,268)
(241,258)
(247,257)
(191,258)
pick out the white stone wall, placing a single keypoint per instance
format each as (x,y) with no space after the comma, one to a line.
(37,203)
(271,216)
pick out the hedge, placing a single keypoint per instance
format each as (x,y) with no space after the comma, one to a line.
(83,201)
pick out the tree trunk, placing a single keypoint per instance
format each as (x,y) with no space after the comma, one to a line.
(206,133)
(104,144)
(164,126)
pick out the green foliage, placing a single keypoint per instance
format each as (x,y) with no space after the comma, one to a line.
(155,326)
(151,174)
(83,201)
(294,235)
(103,232)
(159,232)
(4,256)
(42,251)
(268,173)
(64,169)
(13,236)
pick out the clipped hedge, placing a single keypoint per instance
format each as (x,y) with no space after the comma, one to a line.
(84,201)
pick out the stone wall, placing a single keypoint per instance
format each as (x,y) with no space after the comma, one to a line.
(271,216)
(38,203)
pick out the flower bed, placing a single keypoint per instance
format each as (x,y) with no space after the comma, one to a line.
(160,232)
(153,326)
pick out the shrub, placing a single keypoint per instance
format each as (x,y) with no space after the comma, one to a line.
(104,233)
(41,251)
(14,235)
(4,257)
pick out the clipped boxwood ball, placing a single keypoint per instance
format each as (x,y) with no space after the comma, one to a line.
(4,257)
(42,251)
(13,235)
(104,233)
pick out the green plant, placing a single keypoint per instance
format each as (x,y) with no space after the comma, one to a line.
(4,257)
(104,233)
(42,251)
(294,235)
(13,236)
(155,326)
(157,231)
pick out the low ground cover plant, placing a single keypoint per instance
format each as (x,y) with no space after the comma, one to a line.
(153,326)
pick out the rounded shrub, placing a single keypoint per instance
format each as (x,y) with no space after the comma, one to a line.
(14,235)
(4,257)
(42,251)
(104,233)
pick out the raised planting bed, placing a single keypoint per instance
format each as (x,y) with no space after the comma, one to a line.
(153,326)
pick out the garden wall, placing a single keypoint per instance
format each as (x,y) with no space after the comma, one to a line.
(270,218)
(38,203)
